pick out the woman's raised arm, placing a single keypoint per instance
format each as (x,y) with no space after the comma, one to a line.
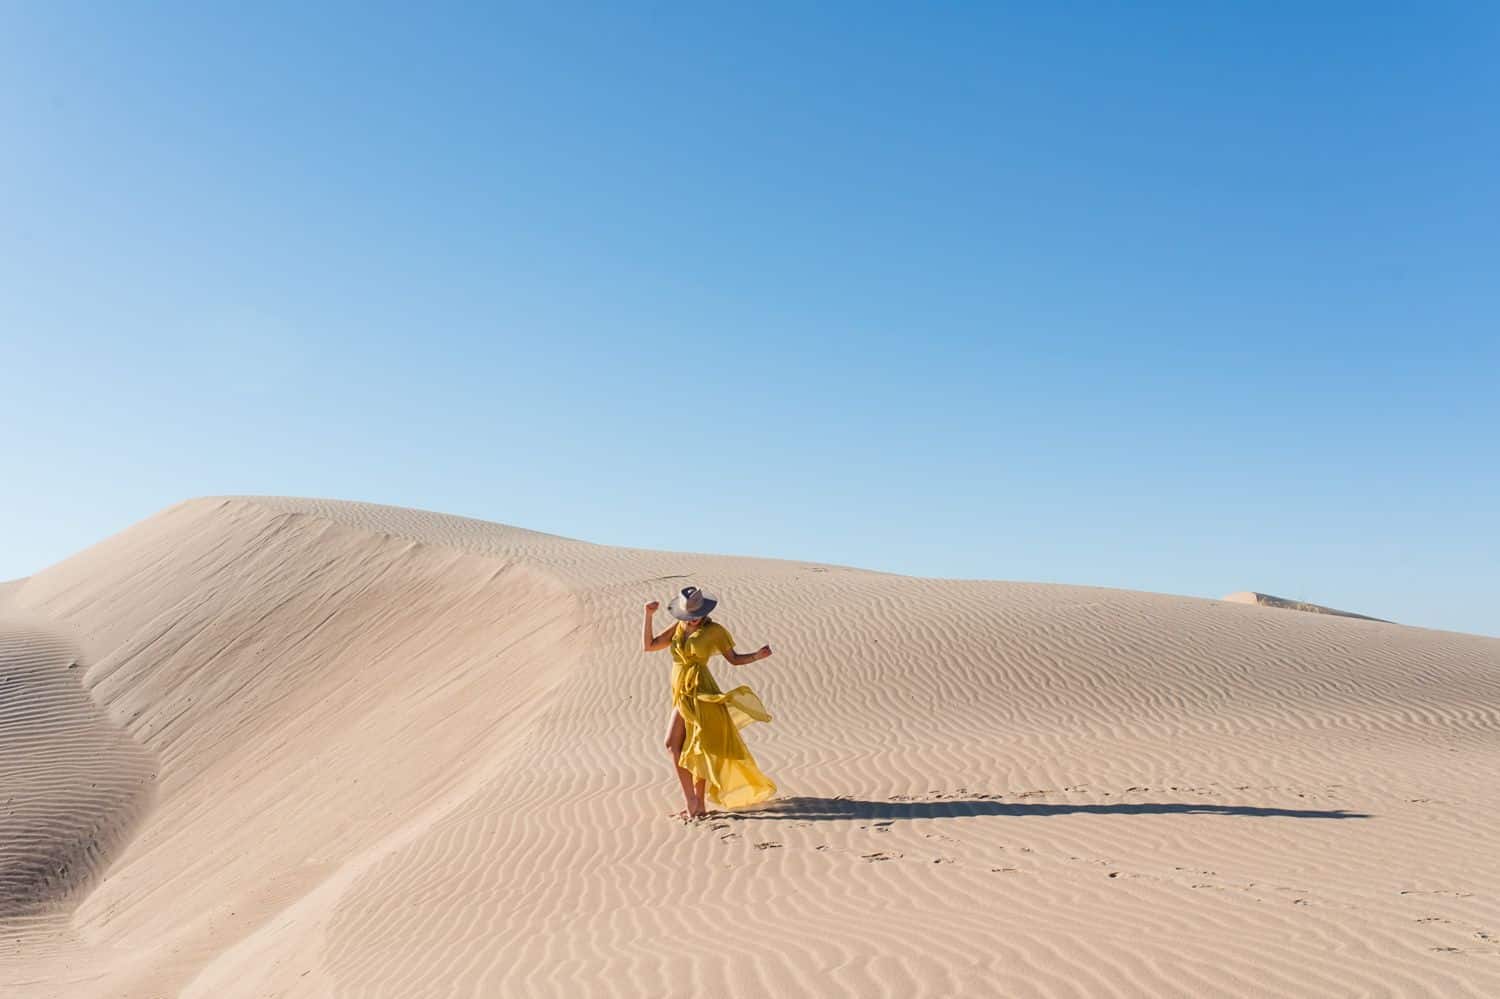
(659,642)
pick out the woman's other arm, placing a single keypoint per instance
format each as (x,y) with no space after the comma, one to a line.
(746,658)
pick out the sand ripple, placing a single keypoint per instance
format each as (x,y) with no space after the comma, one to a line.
(404,754)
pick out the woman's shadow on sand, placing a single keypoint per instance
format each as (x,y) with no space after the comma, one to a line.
(829,809)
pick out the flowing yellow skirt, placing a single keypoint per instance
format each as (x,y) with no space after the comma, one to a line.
(712,749)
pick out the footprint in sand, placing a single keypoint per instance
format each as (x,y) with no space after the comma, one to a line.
(875,857)
(769,844)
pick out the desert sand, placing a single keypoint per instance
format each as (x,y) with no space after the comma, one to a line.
(283,747)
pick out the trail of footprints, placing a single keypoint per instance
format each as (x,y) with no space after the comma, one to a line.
(1476,939)
(726,833)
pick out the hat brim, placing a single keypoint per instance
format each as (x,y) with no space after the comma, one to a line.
(675,608)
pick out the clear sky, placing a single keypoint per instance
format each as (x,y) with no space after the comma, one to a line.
(1192,299)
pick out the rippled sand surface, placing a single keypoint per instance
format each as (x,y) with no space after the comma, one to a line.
(285,747)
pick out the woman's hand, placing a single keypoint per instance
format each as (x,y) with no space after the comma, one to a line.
(652,607)
(763,652)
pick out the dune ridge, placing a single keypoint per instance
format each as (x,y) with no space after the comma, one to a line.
(399,753)
(1267,600)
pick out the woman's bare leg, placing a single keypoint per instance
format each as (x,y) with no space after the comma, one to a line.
(698,794)
(675,736)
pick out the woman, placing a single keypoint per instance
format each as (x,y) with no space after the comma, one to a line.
(704,740)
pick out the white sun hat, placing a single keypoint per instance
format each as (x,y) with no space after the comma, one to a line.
(691,602)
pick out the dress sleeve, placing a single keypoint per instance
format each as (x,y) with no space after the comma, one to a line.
(726,641)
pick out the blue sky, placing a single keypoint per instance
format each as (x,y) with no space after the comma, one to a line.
(1192,300)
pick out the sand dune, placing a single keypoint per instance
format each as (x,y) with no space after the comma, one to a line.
(73,785)
(261,746)
(1267,600)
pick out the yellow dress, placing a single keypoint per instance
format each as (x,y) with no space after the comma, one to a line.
(712,749)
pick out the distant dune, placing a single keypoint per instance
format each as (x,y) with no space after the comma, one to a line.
(286,747)
(1266,600)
